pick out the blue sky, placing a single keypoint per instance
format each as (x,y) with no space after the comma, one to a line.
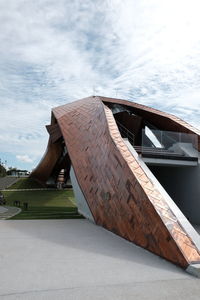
(54,52)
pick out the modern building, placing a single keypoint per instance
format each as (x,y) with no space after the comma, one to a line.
(134,170)
(19,173)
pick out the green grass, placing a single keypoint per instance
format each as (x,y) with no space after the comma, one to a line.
(26,183)
(44,204)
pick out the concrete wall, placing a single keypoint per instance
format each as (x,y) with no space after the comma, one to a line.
(183,185)
(80,199)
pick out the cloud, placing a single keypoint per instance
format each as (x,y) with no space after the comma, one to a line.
(54,52)
(24,158)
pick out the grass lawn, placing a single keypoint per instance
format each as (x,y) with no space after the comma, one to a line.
(44,204)
(26,183)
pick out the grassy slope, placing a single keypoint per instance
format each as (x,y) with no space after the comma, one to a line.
(44,204)
(26,183)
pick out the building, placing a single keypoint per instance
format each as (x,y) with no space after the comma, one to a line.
(134,170)
(18,173)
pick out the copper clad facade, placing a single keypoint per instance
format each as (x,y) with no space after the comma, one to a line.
(119,193)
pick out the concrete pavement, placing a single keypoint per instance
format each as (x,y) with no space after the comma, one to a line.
(74,259)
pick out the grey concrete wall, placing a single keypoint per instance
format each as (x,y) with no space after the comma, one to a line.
(183,185)
(80,199)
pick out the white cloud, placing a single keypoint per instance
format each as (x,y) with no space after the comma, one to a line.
(53,52)
(24,158)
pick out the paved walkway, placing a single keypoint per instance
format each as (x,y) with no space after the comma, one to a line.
(7,181)
(6,212)
(74,259)
(3,209)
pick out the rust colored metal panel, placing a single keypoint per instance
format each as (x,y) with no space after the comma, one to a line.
(120,195)
(160,119)
(47,163)
(178,234)
(54,132)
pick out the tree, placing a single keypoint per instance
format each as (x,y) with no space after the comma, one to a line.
(10,170)
(2,171)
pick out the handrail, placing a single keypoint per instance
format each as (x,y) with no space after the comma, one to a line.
(125,132)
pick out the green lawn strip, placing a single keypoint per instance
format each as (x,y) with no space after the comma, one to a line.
(28,216)
(44,204)
(26,183)
(49,213)
(41,198)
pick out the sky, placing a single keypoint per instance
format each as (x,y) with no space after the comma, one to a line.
(55,52)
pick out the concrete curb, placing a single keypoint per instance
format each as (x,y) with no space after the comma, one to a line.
(194,269)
